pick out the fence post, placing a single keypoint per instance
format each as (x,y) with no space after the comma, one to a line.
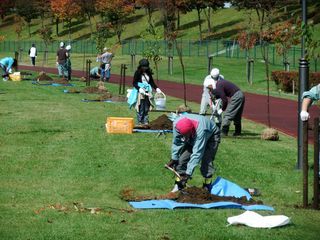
(316,135)
(122,82)
(305,164)
(170,64)
(210,63)
(133,60)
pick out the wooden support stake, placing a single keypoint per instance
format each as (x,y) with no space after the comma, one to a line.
(305,164)
(316,164)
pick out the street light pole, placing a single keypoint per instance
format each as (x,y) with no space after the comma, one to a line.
(303,84)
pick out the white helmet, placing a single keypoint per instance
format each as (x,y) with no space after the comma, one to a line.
(62,44)
(68,47)
(215,73)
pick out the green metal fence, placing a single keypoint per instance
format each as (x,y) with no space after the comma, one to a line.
(83,46)
(190,48)
(214,48)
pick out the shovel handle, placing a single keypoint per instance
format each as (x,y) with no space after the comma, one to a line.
(172,170)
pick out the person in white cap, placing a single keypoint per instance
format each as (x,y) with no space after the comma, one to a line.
(68,63)
(105,58)
(208,85)
(61,60)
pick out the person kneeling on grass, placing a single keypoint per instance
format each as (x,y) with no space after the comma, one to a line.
(195,140)
(6,65)
(95,73)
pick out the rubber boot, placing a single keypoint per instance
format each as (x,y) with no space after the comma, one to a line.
(237,131)
(224,131)
(207,184)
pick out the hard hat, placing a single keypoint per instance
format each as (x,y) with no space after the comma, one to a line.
(215,73)
(68,47)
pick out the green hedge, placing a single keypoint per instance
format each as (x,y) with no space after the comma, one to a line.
(285,80)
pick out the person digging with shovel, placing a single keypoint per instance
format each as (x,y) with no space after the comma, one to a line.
(195,140)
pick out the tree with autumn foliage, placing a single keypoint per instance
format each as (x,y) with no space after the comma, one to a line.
(115,12)
(150,7)
(5,7)
(43,7)
(27,10)
(65,10)
(88,9)
(285,35)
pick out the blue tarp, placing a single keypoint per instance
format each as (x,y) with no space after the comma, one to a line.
(221,187)
(53,84)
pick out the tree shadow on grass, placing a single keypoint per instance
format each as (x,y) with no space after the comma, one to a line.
(190,25)
(133,19)
(72,30)
(83,37)
(225,34)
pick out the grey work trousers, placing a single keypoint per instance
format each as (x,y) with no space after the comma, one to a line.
(234,110)
(207,167)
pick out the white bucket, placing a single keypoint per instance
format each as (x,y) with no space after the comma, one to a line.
(160,101)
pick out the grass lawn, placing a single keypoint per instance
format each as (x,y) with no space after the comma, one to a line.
(54,151)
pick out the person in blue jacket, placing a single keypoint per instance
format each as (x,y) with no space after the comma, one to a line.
(195,141)
(6,65)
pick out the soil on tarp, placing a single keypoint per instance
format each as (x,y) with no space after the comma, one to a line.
(73,90)
(188,195)
(94,90)
(61,81)
(44,77)
(161,123)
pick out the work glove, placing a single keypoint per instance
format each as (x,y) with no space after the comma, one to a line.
(183,181)
(10,71)
(158,90)
(219,111)
(142,91)
(304,115)
(173,163)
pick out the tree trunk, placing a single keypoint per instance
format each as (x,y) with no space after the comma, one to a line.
(57,26)
(199,23)
(178,20)
(179,51)
(89,18)
(69,29)
(208,17)
(29,26)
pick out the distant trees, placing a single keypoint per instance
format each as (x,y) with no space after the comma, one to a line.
(88,9)
(115,12)
(27,10)
(65,10)
(5,6)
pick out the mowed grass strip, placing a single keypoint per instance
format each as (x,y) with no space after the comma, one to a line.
(54,151)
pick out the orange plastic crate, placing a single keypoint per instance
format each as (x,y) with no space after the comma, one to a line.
(119,125)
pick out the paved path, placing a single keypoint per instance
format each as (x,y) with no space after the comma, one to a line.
(283,112)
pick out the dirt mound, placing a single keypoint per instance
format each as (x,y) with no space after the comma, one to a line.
(73,90)
(270,134)
(61,81)
(119,99)
(44,77)
(201,196)
(93,90)
(188,195)
(105,96)
(161,123)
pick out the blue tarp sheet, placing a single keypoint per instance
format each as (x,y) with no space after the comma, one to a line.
(53,84)
(221,187)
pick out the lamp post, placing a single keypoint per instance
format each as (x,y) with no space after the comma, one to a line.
(303,81)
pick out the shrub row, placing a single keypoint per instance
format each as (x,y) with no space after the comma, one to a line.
(285,80)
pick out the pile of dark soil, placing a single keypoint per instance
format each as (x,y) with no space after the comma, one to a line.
(44,77)
(73,90)
(201,196)
(61,81)
(161,123)
(188,195)
(93,90)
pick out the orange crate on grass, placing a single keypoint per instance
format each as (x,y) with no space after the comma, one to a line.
(119,125)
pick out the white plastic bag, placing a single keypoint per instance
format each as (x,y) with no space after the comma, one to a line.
(255,220)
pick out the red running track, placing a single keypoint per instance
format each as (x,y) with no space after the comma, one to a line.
(283,112)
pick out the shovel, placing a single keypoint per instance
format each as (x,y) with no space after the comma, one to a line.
(175,173)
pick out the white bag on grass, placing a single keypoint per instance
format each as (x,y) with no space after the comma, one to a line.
(255,220)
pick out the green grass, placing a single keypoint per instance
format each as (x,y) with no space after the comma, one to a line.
(54,149)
